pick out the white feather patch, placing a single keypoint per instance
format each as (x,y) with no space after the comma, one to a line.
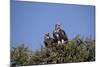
(59,42)
(57,35)
(62,41)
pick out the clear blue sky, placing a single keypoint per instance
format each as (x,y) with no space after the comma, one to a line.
(30,20)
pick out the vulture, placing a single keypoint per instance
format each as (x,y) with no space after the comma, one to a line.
(59,35)
(48,41)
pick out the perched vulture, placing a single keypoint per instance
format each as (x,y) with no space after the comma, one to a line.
(48,41)
(59,35)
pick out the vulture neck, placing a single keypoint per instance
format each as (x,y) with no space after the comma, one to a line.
(57,30)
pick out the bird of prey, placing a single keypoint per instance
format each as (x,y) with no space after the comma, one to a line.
(60,35)
(48,41)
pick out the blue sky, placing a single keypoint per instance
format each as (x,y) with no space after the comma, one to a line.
(30,20)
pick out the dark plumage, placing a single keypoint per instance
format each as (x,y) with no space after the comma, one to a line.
(48,41)
(59,35)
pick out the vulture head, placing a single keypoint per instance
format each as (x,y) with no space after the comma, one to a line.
(58,27)
(46,36)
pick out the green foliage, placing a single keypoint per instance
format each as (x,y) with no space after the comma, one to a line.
(62,53)
(19,55)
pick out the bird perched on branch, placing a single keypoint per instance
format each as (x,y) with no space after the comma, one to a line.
(60,35)
(48,41)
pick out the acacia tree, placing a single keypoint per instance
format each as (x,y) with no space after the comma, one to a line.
(19,55)
(77,50)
